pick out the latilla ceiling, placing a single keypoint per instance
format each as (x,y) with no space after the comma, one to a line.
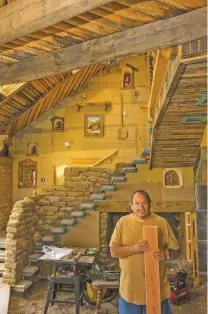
(20,104)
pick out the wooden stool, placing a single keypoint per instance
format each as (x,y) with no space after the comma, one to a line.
(100,285)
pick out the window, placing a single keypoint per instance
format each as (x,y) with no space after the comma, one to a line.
(172,178)
(27,174)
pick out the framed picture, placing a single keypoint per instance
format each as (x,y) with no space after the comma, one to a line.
(93,125)
(127,80)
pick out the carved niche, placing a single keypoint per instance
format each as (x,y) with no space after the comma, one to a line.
(57,124)
(32,149)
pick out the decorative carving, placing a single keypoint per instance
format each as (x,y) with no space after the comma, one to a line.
(27,175)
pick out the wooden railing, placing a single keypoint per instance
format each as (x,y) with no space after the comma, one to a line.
(166,62)
(164,59)
(104,158)
(193,48)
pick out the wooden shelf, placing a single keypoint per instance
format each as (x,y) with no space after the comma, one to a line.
(106,105)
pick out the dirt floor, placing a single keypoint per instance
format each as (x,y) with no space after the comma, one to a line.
(33,302)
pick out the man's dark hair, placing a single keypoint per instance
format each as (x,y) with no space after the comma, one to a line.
(143,193)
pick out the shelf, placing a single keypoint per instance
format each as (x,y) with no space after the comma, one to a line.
(106,105)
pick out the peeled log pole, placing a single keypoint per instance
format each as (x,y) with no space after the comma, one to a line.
(159,34)
(152,276)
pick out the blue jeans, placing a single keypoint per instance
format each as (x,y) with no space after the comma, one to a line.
(130,308)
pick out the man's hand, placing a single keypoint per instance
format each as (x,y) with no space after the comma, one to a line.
(141,246)
(158,254)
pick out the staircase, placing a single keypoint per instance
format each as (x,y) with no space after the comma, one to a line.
(113,191)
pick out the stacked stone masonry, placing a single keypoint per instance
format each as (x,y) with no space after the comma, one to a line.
(103,229)
(36,215)
(5,190)
(19,241)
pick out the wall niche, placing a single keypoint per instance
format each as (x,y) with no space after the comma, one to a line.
(32,149)
(27,174)
(57,124)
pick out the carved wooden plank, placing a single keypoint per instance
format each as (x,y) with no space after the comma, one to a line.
(24,17)
(160,34)
(152,276)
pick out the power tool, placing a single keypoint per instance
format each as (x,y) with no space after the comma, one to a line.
(178,289)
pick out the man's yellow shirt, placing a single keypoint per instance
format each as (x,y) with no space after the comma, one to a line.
(129,231)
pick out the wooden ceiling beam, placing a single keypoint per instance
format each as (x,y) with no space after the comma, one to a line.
(24,17)
(160,34)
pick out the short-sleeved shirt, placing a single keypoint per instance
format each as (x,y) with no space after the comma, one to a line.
(129,231)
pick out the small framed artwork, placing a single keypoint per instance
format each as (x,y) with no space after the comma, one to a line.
(32,149)
(57,124)
(93,125)
(127,78)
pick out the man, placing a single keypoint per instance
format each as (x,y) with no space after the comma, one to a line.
(128,245)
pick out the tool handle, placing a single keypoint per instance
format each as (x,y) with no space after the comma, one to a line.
(121,110)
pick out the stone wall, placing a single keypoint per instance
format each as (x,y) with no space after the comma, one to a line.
(58,202)
(19,241)
(5,190)
(103,229)
(34,217)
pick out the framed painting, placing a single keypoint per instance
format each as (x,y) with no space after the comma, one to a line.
(93,125)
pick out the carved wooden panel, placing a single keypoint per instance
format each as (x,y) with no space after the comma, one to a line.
(27,175)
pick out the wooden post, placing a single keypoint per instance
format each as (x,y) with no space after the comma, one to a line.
(152,276)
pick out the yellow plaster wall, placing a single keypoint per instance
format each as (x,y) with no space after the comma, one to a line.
(86,232)
(52,151)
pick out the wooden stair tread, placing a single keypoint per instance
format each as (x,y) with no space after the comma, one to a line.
(59,230)
(107,188)
(34,257)
(68,222)
(29,271)
(84,206)
(78,214)
(49,239)
(129,169)
(98,196)
(22,286)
